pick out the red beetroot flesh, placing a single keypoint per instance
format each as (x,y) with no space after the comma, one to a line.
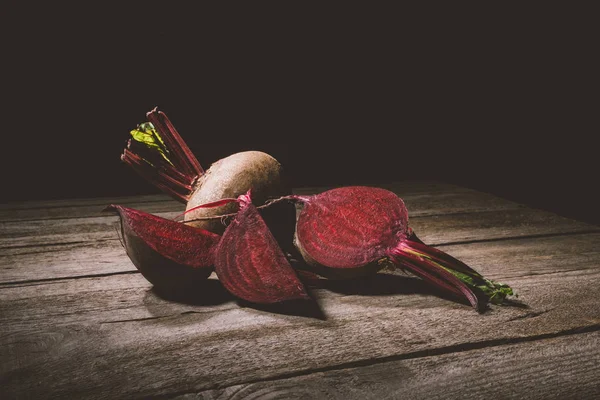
(169,254)
(351,226)
(251,265)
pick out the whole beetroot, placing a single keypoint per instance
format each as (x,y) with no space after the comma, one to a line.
(158,153)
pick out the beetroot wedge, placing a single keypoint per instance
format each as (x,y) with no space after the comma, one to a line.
(251,265)
(169,254)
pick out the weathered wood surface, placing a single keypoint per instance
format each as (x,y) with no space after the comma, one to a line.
(564,367)
(76,320)
(89,244)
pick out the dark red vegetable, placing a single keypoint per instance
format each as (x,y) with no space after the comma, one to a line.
(341,233)
(357,230)
(251,265)
(169,254)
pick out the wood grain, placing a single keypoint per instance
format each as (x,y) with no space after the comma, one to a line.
(75,224)
(425,198)
(81,208)
(74,335)
(60,254)
(54,249)
(77,320)
(565,367)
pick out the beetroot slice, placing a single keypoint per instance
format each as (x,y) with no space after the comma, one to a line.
(251,265)
(169,254)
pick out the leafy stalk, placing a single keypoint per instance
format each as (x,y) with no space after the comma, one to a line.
(146,134)
(451,274)
(158,153)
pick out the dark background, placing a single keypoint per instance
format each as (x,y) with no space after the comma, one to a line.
(498,99)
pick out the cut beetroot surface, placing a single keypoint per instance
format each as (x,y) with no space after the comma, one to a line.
(351,226)
(169,254)
(250,263)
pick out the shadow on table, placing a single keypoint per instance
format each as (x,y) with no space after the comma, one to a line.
(299,308)
(386,284)
(212,293)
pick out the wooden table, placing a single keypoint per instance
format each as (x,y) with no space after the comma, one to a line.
(78,321)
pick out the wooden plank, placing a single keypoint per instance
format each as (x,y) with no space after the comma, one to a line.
(489,224)
(73,248)
(46,232)
(446,199)
(565,367)
(94,225)
(69,338)
(82,202)
(439,197)
(98,226)
(445,229)
(404,187)
(88,209)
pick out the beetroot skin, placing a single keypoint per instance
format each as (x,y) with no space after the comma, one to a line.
(353,231)
(251,265)
(169,254)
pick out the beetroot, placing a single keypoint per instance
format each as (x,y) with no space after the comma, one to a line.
(158,153)
(353,231)
(251,265)
(341,233)
(169,254)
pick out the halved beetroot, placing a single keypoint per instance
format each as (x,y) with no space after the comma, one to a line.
(251,265)
(357,230)
(169,254)
(343,233)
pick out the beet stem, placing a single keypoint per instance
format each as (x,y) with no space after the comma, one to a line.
(452,271)
(183,156)
(151,174)
(173,167)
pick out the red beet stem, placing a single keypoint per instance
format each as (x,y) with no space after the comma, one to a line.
(442,258)
(430,270)
(449,273)
(179,192)
(183,158)
(173,168)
